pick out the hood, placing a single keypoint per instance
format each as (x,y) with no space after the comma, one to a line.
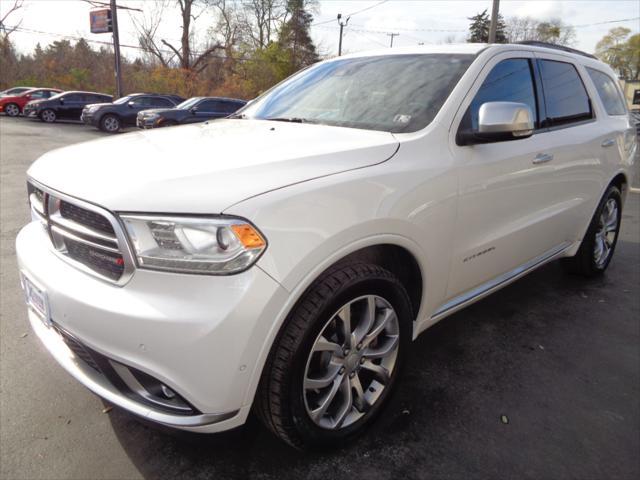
(35,103)
(206,168)
(152,111)
(98,105)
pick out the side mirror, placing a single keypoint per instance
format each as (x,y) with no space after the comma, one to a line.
(62,100)
(27,96)
(500,122)
(193,110)
(131,104)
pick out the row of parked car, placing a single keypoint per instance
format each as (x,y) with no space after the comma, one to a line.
(144,110)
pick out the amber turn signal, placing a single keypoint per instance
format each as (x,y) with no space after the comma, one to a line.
(248,235)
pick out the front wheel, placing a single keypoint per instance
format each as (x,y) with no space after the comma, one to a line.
(48,116)
(337,357)
(599,243)
(110,124)
(12,110)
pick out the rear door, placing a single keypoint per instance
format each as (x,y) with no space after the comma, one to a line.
(574,137)
(71,106)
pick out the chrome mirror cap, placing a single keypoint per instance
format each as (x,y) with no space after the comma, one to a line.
(506,117)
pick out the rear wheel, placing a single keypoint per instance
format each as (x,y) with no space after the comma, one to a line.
(599,243)
(48,116)
(110,124)
(12,110)
(337,358)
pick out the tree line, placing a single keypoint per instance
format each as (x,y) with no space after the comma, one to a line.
(238,49)
(248,47)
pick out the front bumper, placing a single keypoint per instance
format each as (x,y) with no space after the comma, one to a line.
(88,119)
(146,122)
(29,112)
(200,335)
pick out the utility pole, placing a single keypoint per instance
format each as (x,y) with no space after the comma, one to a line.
(116,47)
(494,21)
(342,25)
(392,35)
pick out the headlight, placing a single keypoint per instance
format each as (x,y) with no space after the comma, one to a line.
(221,245)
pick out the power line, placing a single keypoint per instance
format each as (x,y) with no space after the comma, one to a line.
(351,14)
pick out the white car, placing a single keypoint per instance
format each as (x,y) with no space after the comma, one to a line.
(282,260)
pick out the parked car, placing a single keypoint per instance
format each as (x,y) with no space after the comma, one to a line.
(282,260)
(14,91)
(193,110)
(12,105)
(64,106)
(111,117)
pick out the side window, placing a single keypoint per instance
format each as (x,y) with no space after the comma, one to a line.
(230,107)
(49,94)
(565,97)
(208,106)
(140,101)
(608,92)
(39,94)
(74,97)
(162,102)
(509,81)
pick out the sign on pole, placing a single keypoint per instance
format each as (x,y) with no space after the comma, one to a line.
(100,21)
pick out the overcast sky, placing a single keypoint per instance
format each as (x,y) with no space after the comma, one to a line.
(416,21)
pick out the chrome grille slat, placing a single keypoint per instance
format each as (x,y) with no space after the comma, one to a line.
(85,235)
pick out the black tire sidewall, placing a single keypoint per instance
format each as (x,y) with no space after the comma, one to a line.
(382,287)
(105,118)
(15,105)
(55,117)
(590,238)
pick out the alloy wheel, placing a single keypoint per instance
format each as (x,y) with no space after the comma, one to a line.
(12,110)
(606,233)
(351,362)
(49,116)
(111,124)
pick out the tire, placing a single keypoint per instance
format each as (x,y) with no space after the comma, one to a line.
(601,234)
(110,123)
(286,403)
(48,116)
(12,110)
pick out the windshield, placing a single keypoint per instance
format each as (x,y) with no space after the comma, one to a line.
(398,94)
(122,100)
(190,102)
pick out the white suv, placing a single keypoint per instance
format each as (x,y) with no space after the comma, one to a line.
(282,260)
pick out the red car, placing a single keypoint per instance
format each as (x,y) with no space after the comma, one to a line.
(13,105)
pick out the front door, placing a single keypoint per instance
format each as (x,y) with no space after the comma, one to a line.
(509,195)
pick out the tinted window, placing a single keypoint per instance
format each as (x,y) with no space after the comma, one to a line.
(160,102)
(393,93)
(208,106)
(39,94)
(566,99)
(49,93)
(74,97)
(608,92)
(228,107)
(509,81)
(142,101)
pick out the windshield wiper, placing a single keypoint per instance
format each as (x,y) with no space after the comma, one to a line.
(288,119)
(240,116)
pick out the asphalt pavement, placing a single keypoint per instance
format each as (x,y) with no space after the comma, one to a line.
(540,380)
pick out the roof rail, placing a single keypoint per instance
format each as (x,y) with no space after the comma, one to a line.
(536,43)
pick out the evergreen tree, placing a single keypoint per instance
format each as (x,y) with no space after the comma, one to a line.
(294,36)
(479,29)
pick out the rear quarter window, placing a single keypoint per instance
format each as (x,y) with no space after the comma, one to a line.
(608,92)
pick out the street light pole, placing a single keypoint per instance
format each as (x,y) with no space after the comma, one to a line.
(342,25)
(392,35)
(116,47)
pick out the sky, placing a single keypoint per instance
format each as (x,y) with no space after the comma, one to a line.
(416,21)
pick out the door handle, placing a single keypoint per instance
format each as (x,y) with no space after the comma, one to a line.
(542,158)
(609,142)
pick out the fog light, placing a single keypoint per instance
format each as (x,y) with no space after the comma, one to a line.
(167,392)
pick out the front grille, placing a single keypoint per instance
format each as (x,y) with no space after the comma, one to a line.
(109,264)
(77,348)
(85,217)
(84,233)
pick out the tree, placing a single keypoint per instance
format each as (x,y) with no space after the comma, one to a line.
(621,52)
(479,29)
(186,57)
(4,28)
(520,29)
(294,36)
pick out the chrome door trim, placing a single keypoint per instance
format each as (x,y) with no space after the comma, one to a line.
(485,289)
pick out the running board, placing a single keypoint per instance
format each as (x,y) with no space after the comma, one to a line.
(485,289)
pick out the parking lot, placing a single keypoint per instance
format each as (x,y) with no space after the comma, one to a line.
(540,380)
